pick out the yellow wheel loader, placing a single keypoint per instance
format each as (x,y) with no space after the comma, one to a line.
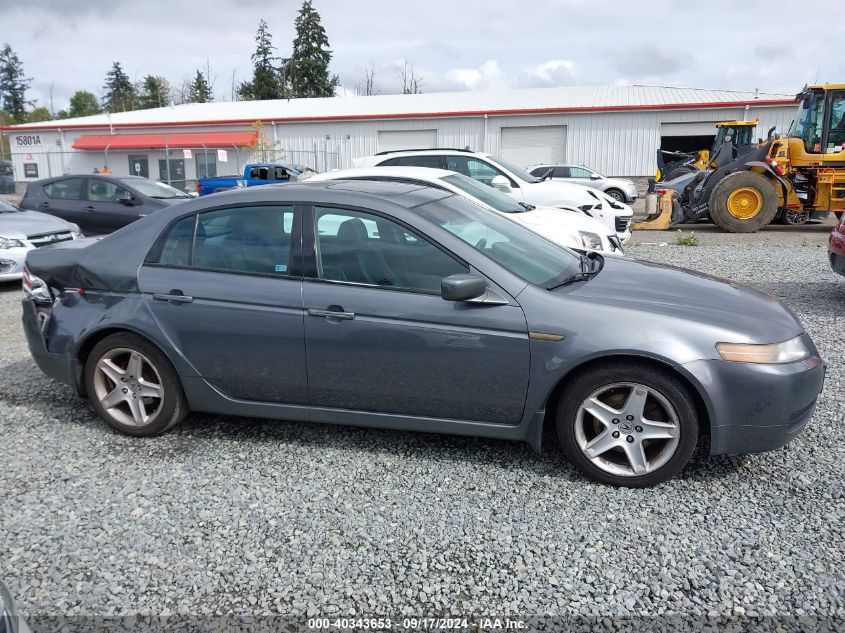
(794,176)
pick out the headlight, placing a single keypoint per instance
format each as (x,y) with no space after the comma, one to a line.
(74,228)
(590,240)
(7,242)
(786,352)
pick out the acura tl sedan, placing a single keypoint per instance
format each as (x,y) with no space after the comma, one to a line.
(278,302)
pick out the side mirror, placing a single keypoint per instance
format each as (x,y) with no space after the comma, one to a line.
(126,199)
(462,287)
(501,183)
(595,177)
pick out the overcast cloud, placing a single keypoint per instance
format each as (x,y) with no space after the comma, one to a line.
(453,45)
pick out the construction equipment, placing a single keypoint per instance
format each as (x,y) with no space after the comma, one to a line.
(798,175)
(733,139)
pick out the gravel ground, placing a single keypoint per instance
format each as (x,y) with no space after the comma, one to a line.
(242,516)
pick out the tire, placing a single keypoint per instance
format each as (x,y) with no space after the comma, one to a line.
(616,195)
(670,416)
(743,202)
(791,218)
(136,410)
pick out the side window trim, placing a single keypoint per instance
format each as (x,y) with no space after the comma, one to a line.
(309,246)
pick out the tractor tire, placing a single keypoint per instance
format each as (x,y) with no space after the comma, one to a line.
(743,202)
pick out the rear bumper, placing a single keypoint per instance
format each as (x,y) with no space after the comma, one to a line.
(56,366)
(755,408)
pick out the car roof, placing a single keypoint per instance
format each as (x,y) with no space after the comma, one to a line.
(428,174)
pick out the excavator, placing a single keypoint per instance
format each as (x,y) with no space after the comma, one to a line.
(797,175)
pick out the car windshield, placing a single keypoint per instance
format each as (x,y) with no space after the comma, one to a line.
(512,246)
(153,188)
(6,169)
(519,172)
(489,196)
(5,207)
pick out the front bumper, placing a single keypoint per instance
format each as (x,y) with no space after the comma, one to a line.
(756,407)
(12,261)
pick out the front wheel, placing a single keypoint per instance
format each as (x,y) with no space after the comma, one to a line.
(133,387)
(616,195)
(627,424)
(743,202)
(794,218)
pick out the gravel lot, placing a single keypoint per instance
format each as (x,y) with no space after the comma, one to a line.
(243,516)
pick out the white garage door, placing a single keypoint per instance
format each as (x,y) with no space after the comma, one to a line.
(390,140)
(536,144)
(696,128)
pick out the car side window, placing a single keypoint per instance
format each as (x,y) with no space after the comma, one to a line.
(104,191)
(560,172)
(242,239)
(426,160)
(474,168)
(579,172)
(364,248)
(65,189)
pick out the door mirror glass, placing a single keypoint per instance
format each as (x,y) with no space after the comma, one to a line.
(501,183)
(462,287)
(126,198)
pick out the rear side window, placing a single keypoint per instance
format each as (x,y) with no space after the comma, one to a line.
(65,189)
(242,240)
(415,161)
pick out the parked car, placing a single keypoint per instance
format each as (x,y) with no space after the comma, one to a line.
(254,174)
(836,247)
(7,177)
(509,179)
(98,203)
(277,302)
(621,189)
(10,620)
(567,227)
(21,231)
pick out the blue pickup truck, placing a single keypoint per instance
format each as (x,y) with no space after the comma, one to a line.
(255,174)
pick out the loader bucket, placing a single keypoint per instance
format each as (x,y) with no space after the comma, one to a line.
(659,209)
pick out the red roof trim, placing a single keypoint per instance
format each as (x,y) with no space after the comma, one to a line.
(160,141)
(54,125)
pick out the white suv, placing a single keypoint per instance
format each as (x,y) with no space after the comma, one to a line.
(509,179)
(567,227)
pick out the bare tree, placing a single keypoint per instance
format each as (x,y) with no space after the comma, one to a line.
(180,93)
(411,84)
(235,85)
(367,86)
(209,79)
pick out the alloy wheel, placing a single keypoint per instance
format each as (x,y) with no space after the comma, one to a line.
(627,429)
(128,387)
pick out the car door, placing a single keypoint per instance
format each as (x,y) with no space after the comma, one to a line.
(63,198)
(225,288)
(106,212)
(581,176)
(380,338)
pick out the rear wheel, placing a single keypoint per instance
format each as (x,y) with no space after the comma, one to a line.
(133,387)
(627,424)
(743,202)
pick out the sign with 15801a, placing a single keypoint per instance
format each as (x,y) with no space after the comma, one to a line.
(28,140)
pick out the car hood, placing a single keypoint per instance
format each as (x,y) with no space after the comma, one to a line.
(743,314)
(574,220)
(18,225)
(552,193)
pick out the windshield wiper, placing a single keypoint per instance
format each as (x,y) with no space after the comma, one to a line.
(526,206)
(591,264)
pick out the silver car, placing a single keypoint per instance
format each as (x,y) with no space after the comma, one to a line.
(21,231)
(620,189)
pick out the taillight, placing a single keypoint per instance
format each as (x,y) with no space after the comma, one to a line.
(34,287)
(199,188)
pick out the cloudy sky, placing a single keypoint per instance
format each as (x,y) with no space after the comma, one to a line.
(773,45)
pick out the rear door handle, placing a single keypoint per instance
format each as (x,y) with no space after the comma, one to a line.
(332,314)
(173,298)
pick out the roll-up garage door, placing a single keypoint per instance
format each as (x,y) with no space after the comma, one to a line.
(390,140)
(535,144)
(687,137)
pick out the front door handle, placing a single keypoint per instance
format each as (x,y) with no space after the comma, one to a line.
(44,205)
(332,314)
(173,297)
(90,208)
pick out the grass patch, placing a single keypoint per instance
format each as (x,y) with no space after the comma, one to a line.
(687,239)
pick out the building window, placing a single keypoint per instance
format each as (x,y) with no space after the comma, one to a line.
(206,164)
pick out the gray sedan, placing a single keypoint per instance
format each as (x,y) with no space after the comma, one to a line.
(620,189)
(367,303)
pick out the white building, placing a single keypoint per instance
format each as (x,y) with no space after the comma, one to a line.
(612,129)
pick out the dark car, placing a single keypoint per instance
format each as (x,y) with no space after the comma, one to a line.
(836,247)
(375,304)
(7,177)
(100,204)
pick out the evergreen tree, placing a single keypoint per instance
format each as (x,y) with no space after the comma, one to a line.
(82,103)
(154,92)
(119,93)
(13,85)
(200,91)
(308,68)
(266,82)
